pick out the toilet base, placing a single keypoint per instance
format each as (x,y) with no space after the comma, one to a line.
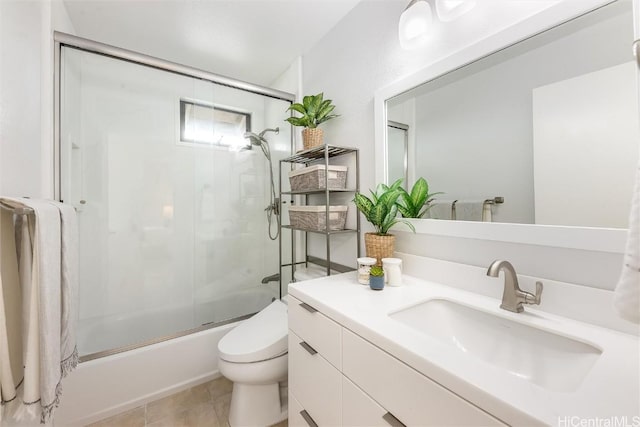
(256,405)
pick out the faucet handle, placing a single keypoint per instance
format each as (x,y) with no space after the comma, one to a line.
(534,299)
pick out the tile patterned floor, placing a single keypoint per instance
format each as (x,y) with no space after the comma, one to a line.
(206,405)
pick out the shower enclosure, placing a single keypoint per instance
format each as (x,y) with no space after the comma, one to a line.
(170,193)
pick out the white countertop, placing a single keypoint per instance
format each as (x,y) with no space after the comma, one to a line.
(609,392)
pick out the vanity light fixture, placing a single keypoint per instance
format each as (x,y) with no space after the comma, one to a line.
(450,10)
(417,18)
(415,24)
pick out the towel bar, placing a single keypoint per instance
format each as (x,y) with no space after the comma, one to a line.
(18,210)
(495,201)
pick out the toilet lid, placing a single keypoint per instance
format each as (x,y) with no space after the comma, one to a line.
(261,337)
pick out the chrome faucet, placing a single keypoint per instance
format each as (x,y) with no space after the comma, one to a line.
(513,297)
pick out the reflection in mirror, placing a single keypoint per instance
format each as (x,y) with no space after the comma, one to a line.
(398,140)
(550,124)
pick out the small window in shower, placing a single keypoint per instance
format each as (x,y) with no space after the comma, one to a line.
(212,125)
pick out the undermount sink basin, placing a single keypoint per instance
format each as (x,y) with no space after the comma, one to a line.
(550,360)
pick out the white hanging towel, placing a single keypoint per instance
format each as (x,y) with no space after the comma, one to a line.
(10,312)
(440,209)
(47,247)
(469,210)
(69,265)
(7,382)
(626,298)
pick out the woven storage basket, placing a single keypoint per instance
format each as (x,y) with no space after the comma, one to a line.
(379,247)
(313,178)
(311,137)
(315,217)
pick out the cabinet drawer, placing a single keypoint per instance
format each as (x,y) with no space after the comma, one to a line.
(360,410)
(315,383)
(296,419)
(410,396)
(322,333)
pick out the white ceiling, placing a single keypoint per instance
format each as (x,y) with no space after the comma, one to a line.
(251,40)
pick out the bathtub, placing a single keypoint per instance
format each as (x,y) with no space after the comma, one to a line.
(97,335)
(105,386)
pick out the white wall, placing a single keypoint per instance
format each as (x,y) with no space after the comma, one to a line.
(26,94)
(20,97)
(591,123)
(361,55)
(275,112)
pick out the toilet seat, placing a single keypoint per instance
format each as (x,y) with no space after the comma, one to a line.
(261,337)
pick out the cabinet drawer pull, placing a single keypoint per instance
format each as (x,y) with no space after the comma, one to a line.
(308,307)
(393,421)
(308,418)
(307,347)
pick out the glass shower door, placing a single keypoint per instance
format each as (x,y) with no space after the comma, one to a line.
(170,201)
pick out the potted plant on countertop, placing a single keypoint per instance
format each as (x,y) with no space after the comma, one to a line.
(315,110)
(382,212)
(416,203)
(376,278)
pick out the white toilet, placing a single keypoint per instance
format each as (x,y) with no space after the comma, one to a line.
(254,357)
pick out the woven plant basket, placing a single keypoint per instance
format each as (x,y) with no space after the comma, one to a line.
(379,247)
(311,137)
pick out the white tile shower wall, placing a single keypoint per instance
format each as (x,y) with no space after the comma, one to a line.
(364,56)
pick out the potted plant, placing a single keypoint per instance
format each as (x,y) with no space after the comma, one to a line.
(382,212)
(376,278)
(315,110)
(416,203)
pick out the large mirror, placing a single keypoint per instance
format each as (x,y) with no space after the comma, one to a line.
(545,131)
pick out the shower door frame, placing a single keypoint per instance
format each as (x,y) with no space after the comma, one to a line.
(67,40)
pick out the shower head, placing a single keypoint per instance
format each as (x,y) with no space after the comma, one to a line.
(258,139)
(276,131)
(254,139)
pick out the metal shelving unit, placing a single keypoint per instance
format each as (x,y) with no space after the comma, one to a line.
(319,155)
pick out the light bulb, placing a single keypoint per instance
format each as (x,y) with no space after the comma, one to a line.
(415,24)
(449,10)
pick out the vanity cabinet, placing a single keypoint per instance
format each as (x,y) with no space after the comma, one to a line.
(315,356)
(338,378)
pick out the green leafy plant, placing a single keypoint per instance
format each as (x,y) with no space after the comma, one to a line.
(416,203)
(314,110)
(376,271)
(382,210)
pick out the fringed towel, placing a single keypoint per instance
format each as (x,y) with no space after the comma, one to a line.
(68,286)
(626,298)
(47,257)
(10,312)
